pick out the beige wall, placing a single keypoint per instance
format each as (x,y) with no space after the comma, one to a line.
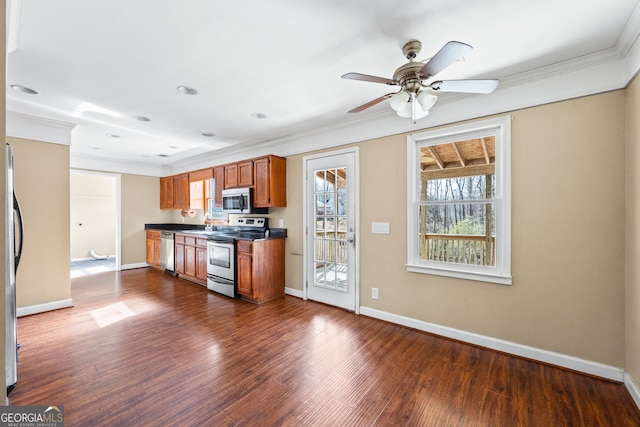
(93,214)
(41,173)
(632,297)
(140,205)
(567,236)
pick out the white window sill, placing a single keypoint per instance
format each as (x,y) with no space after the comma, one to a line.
(462,274)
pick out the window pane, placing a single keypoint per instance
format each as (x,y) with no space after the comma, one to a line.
(461,188)
(459,233)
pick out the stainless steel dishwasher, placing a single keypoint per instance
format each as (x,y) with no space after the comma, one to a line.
(167,251)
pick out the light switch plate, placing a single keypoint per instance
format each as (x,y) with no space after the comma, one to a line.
(380,227)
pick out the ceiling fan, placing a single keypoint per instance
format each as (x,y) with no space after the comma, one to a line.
(416,80)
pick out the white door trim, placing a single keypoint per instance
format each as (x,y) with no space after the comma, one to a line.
(356,205)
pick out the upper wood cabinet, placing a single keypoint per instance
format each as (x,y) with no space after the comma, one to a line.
(245,173)
(231,175)
(270,182)
(174,192)
(201,175)
(267,176)
(181,197)
(238,174)
(218,175)
(166,192)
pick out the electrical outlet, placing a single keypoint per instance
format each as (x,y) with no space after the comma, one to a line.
(374,293)
(281,223)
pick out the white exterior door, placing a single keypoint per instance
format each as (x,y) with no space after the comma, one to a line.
(331,228)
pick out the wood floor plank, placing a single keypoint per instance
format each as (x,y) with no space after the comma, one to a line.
(143,348)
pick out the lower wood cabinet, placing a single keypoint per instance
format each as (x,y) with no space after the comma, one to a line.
(260,269)
(191,258)
(153,248)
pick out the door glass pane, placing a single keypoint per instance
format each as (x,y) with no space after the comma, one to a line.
(331,229)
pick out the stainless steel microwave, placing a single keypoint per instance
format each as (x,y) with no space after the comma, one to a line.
(240,200)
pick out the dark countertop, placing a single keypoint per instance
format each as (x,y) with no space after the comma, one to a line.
(199,229)
(174,227)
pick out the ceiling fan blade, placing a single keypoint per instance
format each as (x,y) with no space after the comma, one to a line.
(371,103)
(450,53)
(468,86)
(367,78)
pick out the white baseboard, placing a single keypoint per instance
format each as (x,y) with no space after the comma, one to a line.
(293,292)
(552,358)
(632,388)
(41,308)
(132,266)
(90,258)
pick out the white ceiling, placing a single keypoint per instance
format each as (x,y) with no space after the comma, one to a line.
(97,64)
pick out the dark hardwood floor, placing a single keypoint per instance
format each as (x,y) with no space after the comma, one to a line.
(141,348)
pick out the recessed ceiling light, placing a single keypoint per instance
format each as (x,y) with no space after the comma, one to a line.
(173,147)
(142,118)
(187,90)
(208,134)
(163,155)
(113,135)
(259,116)
(24,89)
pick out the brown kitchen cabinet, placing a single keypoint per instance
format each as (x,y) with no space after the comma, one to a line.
(174,192)
(191,258)
(218,175)
(153,248)
(181,197)
(267,175)
(166,192)
(231,175)
(270,182)
(201,260)
(260,269)
(245,173)
(238,174)
(178,254)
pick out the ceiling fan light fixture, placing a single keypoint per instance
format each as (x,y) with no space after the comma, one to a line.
(399,99)
(426,100)
(406,109)
(410,106)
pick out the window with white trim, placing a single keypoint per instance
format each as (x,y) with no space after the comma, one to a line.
(459,201)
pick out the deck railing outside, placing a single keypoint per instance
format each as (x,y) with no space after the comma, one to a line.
(458,248)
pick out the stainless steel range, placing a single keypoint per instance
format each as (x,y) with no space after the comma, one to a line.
(221,252)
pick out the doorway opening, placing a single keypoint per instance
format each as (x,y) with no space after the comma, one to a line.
(95,222)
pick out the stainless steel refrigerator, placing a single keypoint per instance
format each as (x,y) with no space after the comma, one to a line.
(13,250)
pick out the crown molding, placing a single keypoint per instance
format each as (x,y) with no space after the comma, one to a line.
(24,126)
(106,164)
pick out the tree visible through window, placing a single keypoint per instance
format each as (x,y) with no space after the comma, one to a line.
(457,218)
(461,221)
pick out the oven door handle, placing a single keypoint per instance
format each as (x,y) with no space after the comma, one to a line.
(219,279)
